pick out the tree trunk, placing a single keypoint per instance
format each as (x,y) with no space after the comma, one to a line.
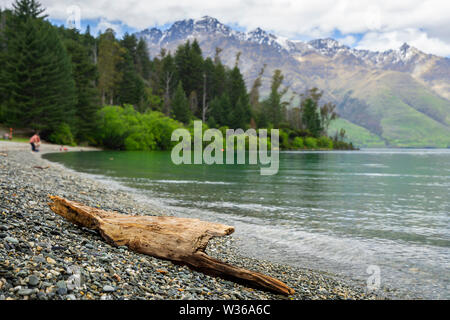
(103,97)
(181,240)
(204,99)
(167,95)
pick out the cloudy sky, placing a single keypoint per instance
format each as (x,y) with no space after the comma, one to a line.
(374,25)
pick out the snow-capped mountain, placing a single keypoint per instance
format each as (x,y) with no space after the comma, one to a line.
(191,28)
(208,26)
(373,90)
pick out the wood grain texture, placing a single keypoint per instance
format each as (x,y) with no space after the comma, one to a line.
(181,240)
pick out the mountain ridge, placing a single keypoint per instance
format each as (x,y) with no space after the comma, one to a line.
(327,46)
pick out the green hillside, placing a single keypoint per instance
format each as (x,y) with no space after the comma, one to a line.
(359,136)
(410,116)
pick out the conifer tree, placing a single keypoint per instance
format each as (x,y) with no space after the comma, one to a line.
(85,74)
(37,75)
(310,114)
(273,106)
(215,112)
(110,55)
(131,87)
(168,80)
(28,9)
(129,42)
(220,75)
(189,62)
(220,110)
(3,17)
(180,105)
(208,70)
(238,91)
(143,62)
(237,118)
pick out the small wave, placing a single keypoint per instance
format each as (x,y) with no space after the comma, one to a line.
(375,165)
(193,181)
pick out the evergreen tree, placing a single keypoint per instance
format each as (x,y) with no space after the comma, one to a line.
(215,112)
(220,110)
(310,115)
(129,42)
(36,78)
(189,62)
(110,55)
(220,75)
(91,45)
(28,9)
(131,87)
(168,80)
(3,17)
(237,118)
(273,106)
(85,74)
(237,91)
(180,105)
(211,82)
(143,62)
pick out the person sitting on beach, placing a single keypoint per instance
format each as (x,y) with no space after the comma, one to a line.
(35,141)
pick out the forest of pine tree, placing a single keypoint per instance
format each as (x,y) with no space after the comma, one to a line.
(78,88)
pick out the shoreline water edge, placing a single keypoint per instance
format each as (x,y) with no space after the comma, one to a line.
(43,256)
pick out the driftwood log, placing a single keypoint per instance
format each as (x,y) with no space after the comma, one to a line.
(181,240)
(39,167)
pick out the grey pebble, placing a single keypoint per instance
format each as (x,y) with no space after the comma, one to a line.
(108,288)
(25,292)
(12,240)
(33,280)
(62,291)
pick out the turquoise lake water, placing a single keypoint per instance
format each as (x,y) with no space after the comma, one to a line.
(339,212)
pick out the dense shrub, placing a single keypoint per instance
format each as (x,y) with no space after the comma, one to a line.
(311,143)
(325,142)
(126,129)
(284,140)
(298,143)
(62,135)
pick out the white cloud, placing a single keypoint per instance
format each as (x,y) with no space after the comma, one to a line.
(348,40)
(291,18)
(380,41)
(104,24)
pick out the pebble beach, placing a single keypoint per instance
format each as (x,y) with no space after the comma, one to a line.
(44,257)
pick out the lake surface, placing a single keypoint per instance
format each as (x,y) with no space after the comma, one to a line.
(339,212)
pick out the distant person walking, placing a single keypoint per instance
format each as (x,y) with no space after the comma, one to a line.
(35,142)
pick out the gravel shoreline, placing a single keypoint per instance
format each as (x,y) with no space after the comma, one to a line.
(42,256)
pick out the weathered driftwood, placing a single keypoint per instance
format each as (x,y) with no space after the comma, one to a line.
(181,240)
(39,167)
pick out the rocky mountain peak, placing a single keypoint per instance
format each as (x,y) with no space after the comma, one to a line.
(328,46)
(211,25)
(327,43)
